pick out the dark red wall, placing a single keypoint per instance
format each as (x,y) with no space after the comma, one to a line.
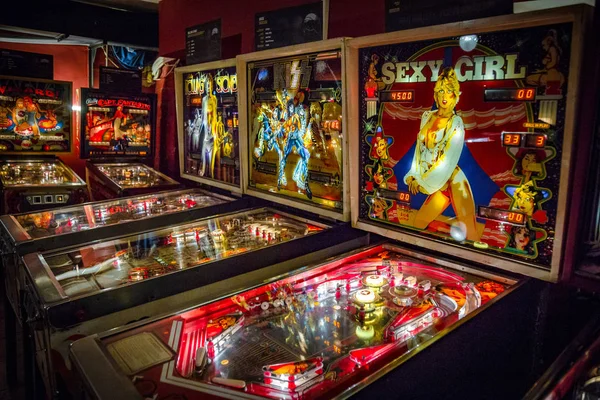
(70,64)
(350,18)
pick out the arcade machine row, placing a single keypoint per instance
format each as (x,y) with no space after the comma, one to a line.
(87,289)
(117,139)
(331,329)
(103,116)
(48,230)
(72,226)
(73,292)
(75,226)
(35,126)
(69,226)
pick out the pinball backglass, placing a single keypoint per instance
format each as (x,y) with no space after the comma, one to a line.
(294,115)
(35,116)
(465,138)
(208,124)
(116,125)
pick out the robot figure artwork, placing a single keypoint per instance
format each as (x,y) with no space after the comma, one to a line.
(292,127)
(194,128)
(298,139)
(211,129)
(270,131)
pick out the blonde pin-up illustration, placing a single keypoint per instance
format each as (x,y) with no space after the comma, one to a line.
(378,208)
(434,170)
(526,198)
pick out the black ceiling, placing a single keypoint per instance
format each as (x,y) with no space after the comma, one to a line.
(124,24)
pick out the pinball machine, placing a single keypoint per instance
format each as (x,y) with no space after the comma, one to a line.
(35,125)
(63,227)
(474,193)
(73,292)
(85,289)
(87,303)
(117,138)
(208,124)
(46,230)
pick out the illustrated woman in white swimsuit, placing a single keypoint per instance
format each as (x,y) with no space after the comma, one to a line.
(434,170)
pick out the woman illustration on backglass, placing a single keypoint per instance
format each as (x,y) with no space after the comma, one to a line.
(434,170)
(521,239)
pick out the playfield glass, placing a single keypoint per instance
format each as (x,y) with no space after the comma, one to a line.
(321,333)
(81,218)
(295,122)
(133,175)
(23,173)
(211,126)
(124,261)
(461,138)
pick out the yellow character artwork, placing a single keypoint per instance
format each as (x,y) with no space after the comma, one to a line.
(378,208)
(434,169)
(332,117)
(373,74)
(218,132)
(526,197)
(209,126)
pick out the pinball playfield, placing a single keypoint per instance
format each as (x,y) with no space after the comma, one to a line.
(128,260)
(82,218)
(35,183)
(316,334)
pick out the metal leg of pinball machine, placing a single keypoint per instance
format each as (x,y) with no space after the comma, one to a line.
(10,322)
(10,342)
(34,387)
(28,360)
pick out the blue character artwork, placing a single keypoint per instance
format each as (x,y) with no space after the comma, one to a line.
(297,126)
(269,132)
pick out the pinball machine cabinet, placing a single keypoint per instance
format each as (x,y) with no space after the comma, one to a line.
(117,139)
(35,127)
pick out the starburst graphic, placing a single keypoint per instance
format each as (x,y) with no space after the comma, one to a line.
(321,67)
(369,126)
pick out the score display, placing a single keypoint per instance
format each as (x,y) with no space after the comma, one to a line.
(397,96)
(506,216)
(523,139)
(509,94)
(401,196)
